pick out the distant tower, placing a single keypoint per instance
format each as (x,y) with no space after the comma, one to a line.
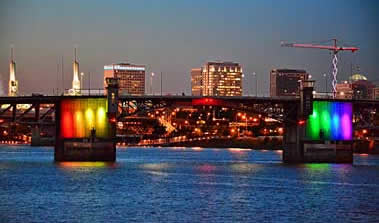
(13,83)
(75,79)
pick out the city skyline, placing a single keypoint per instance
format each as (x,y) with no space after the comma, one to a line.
(44,32)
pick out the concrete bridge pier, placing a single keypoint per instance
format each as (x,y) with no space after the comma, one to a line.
(86,127)
(301,146)
(293,151)
(36,136)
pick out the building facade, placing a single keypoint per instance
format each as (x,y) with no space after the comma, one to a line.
(344,90)
(196,82)
(217,79)
(131,77)
(357,87)
(376,93)
(286,82)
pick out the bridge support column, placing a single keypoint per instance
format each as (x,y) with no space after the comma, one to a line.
(293,151)
(36,136)
(89,132)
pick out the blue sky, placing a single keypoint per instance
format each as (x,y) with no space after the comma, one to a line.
(174,36)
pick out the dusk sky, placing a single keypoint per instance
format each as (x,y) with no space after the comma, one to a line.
(174,36)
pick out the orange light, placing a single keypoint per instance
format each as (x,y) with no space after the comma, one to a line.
(239,113)
(364,131)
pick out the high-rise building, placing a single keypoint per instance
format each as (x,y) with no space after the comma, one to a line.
(131,77)
(217,79)
(196,83)
(13,83)
(286,82)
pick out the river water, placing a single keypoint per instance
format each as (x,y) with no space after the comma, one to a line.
(185,185)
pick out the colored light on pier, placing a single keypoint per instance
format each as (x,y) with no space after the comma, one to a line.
(79,116)
(332,119)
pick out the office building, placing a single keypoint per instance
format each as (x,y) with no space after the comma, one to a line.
(344,90)
(217,79)
(357,87)
(131,77)
(196,82)
(286,82)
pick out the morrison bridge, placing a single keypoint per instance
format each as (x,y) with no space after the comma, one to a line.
(315,130)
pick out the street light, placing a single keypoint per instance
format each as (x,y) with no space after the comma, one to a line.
(256,84)
(243,76)
(151,83)
(81,82)
(326,83)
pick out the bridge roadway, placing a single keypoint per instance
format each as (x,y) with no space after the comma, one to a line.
(156,98)
(287,109)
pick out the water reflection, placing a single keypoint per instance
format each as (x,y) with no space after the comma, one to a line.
(86,164)
(206,168)
(245,168)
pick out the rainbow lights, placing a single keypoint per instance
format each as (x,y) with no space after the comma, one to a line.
(79,116)
(333,119)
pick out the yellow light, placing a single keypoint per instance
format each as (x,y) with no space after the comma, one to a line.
(90,118)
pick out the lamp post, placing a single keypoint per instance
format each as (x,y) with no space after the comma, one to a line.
(151,83)
(81,82)
(326,83)
(256,84)
(245,117)
(243,75)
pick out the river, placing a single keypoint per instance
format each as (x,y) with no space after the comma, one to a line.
(185,185)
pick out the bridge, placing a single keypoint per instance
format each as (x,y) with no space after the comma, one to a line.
(315,130)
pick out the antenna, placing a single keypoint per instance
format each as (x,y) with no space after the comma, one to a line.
(12,52)
(75,53)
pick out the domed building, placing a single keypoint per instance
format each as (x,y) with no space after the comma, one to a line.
(362,88)
(358,77)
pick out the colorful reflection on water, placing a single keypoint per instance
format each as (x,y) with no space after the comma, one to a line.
(85,164)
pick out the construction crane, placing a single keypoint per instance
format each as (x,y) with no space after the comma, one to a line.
(335,50)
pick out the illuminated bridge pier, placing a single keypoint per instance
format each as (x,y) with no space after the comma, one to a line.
(86,127)
(323,131)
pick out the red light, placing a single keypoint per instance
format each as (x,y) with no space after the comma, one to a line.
(301,122)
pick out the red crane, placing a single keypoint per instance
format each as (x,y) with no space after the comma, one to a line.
(334,48)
